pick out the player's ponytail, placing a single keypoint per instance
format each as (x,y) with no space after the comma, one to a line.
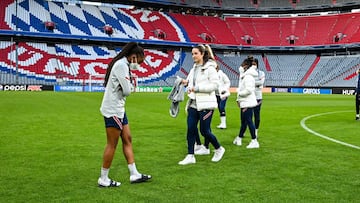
(209,51)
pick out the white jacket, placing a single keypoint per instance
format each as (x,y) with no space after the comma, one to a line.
(224,85)
(206,83)
(246,91)
(241,74)
(259,84)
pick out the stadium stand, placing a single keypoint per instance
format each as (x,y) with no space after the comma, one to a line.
(48,63)
(86,20)
(248,6)
(288,70)
(334,71)
(308,30)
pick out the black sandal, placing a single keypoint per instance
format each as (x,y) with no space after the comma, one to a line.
(143,178)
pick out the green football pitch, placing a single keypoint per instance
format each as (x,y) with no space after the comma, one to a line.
(52,143)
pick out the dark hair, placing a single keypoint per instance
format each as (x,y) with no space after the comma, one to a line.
(129,49)
(206,50)
(251,57)
(256,61)
(247,62)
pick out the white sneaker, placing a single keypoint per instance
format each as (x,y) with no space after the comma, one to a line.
(253,144)
(237,141)
(202,151)
(197,147)
(218,154)
(189,159)
(108,183)
(221,126)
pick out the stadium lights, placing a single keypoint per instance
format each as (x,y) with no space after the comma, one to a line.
(92,3)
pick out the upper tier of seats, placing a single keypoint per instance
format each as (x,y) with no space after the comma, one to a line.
(254,4)
(304,31)
(87,20)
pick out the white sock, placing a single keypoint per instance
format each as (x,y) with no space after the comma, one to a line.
(357,115)
(256,132)
(133,170)
(105,174)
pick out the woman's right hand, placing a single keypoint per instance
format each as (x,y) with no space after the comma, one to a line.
(189,90)
(184,82)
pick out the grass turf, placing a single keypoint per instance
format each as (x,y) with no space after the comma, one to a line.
(51,148)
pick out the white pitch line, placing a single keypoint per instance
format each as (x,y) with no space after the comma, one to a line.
(303,125)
